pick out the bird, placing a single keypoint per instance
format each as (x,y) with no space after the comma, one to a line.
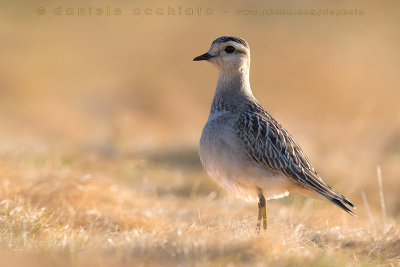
(244,149)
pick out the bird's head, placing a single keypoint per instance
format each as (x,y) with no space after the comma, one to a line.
(230,54)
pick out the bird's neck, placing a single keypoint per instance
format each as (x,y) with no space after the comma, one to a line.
(234,82)
(233,86)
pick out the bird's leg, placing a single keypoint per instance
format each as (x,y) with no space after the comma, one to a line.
(262,211)
(259,218)
(265,214)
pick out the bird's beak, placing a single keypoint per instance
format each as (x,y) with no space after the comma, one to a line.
(205,56)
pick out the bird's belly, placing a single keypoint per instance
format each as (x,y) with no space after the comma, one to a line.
(225,161)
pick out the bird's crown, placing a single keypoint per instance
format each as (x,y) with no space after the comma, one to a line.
(225,39)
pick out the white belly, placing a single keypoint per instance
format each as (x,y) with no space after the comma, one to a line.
(226,162)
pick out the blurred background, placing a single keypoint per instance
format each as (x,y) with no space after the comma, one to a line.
(123,88)
(109,84)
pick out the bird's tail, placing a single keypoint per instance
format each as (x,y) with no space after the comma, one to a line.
(316,183)
(341,202)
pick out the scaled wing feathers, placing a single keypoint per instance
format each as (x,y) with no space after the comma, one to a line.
(270,145)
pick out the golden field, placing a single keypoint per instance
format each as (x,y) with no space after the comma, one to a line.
(100,117)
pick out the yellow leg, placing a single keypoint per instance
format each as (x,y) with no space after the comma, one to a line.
(262,212)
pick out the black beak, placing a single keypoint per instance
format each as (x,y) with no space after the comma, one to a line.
(205,56)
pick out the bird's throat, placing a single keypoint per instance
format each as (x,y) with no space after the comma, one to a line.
(234,82)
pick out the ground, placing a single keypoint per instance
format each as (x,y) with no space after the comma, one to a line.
(163,210)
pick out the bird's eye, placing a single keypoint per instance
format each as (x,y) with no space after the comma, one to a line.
(229,49)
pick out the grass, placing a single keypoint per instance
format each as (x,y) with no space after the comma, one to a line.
(71,212)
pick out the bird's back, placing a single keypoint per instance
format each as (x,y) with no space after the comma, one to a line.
(271,146)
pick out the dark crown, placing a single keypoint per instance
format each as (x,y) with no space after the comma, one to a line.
(224,39)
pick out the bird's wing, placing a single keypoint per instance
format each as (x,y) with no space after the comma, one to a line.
(269,144)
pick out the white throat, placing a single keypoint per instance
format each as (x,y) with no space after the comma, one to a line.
(234,82)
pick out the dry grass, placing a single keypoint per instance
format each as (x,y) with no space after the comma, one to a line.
(98,158)
(69,211)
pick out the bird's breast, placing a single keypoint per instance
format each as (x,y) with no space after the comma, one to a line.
(224,158)
(218,141)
